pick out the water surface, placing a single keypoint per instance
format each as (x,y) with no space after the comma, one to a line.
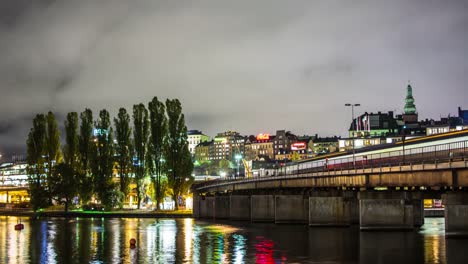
(99,240)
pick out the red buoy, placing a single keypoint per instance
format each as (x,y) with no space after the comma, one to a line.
(19,226)
(132,243)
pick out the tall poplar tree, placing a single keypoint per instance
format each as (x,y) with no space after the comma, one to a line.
(123,149)
(53,155)
(70,151)
(102,161)
(158,122)
(140,137)
(176,150)
(65,178)
(85,146)
(36,149)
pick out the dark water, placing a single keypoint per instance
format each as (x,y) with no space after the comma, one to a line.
(58,240)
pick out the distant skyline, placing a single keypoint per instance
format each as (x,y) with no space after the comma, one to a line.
(250,66)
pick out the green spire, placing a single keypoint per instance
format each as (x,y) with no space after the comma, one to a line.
(410,108)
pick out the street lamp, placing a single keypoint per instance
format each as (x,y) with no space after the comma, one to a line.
(354,129)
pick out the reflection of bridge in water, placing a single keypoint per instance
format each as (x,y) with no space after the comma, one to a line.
(377,188)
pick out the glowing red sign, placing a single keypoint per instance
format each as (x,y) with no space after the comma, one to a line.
(298,146)
(263,136)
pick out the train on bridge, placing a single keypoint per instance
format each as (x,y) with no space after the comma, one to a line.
(436,148)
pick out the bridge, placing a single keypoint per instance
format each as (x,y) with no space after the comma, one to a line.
(384,190)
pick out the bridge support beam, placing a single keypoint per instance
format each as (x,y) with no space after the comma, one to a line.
(291,209)
(328,209)
(206,207)
(456,213)
(388,210)
(196,205)
(221,207)
(239,207)
(262,208)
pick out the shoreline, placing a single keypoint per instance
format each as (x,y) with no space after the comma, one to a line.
(93,214)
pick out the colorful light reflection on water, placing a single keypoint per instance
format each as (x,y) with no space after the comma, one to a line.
(98,240)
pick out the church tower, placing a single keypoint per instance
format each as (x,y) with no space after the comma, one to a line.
(410,115)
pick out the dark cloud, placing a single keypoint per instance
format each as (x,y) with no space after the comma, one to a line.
(251,66)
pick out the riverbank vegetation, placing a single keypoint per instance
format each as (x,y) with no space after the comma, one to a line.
(100,161)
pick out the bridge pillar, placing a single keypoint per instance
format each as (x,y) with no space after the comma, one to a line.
(291,209)
(206,207)
(262,208)
(221,207)
(456,213)
(196,205)
(331,209)
(388,210)
(239,207)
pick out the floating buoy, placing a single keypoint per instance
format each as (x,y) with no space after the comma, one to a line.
(19,226)
(132,243)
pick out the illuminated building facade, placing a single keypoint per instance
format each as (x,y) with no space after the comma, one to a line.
(195,137)
(227,145)
(260,147)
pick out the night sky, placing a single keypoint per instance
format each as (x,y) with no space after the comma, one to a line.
(250,66)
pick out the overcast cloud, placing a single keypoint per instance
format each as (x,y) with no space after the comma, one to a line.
(250,66)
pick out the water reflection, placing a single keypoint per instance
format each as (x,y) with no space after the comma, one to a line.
(98,240)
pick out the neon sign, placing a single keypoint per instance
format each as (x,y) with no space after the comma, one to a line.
(263,136)
(298,146)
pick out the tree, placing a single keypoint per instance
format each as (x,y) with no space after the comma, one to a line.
(52,139)
(102,162)
(178,159)
(140,137)
(64,182)
(158,122)
(70,151)
(85,146)
(295,156)
(224,165)
(36,148)
(123,149)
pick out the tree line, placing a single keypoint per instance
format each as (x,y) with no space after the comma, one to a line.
(149,149)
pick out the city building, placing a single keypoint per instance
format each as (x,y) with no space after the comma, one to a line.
(195,137)
(374,125)
(14,174)
(324,145)
(410,114)
(282,144)
(204,151)
(345,144)
(463,115)
(227,145)
(259,147)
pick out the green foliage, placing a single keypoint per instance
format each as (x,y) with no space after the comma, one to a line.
(64,184)
(36,149)
(52,138)
(140,137)
(158,123)
(85,147)
(102,162)
(123,149)
(295,156)
(70,152)
(178,159)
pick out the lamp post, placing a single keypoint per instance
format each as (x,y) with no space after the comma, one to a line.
(403,139)
(354,129)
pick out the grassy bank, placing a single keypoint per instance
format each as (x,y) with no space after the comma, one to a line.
(99,214)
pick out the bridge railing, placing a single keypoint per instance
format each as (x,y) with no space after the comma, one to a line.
(441,153)
(402,157)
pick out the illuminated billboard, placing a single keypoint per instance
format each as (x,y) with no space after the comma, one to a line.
(298,146)
(263,136)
